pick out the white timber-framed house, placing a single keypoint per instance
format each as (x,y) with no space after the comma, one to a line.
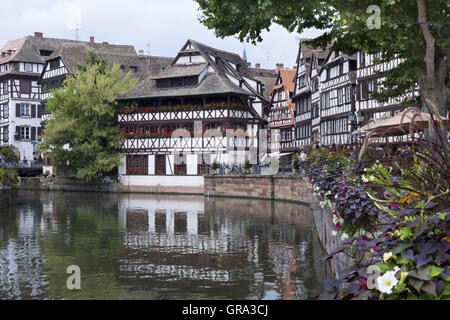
(204,108)
(370,71)
(282,113)
(337,85)
(21,62)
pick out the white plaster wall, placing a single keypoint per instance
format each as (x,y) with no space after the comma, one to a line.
(151,164)
(163,181)
(170,164)
(25,147)
(191,165)
(122,166)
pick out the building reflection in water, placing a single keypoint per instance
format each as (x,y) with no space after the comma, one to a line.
(226,248)
(157,247)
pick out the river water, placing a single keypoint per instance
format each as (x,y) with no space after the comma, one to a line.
(138,246)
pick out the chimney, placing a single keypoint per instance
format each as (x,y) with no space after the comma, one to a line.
(249,64)
(38,34)
(105,42)
(92,42)
(141,52)
(295,67)
(281,65)
(257,65)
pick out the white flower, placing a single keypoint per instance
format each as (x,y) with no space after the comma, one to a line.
(344,236)
(387,281)
(364,179)
(371,178)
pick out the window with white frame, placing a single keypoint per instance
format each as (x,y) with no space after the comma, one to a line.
(340,93)
(24,133)
(25,110)
(5,87)
(28,67)
(334,71)
(348,94)
(371,87)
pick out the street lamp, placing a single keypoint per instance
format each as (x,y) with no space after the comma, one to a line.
(359,117)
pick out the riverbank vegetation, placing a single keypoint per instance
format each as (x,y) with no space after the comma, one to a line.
(9,178)
(392,214)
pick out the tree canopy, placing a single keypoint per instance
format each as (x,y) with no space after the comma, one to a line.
(416,31)
(82,135)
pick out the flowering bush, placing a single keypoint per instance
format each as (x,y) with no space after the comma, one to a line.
(9,178)
(180,172)
(185,107)
(245,169)
(397,219)
(137,171)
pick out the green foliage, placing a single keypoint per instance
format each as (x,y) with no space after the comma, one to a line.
(83,136)
(9,178)
(8,155)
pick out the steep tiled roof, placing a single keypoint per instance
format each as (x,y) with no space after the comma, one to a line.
(76,53)
(27,49)
(178,70)
(287,77)
(223,62)
(213,83)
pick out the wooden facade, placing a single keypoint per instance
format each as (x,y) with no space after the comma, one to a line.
(282,112)
(198,111)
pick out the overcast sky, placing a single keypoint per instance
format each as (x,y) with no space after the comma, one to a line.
(158,26)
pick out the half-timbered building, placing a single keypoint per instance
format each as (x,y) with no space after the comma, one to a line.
(21,62)
(369,80)
(281,115)
(317,60)
(205,107)
(337,86)
(67,55)
(302,95)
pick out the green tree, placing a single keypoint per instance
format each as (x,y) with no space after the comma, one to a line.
(423,47)
(83,135)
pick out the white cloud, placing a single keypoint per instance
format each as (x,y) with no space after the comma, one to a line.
(164,25)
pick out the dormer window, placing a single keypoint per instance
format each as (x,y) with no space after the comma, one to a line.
(177,82)
(54,64)
(133,69)
(28,67)
(45,53)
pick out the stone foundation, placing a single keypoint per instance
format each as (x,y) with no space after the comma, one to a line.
(290,188)
(323,221)
(6,195)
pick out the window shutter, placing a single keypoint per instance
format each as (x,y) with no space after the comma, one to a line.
(33,133)
(39,131)
(17,134)
(39,111)
(33,111)
(18,110)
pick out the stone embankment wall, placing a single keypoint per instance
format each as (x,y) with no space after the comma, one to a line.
(73,184)
(291,188)
(323,221)
(67,184)
(6,195)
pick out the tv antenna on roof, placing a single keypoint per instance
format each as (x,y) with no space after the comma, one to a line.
(74,19)
(268,57)
(148,54)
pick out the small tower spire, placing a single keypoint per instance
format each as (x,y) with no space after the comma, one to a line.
(244,55)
